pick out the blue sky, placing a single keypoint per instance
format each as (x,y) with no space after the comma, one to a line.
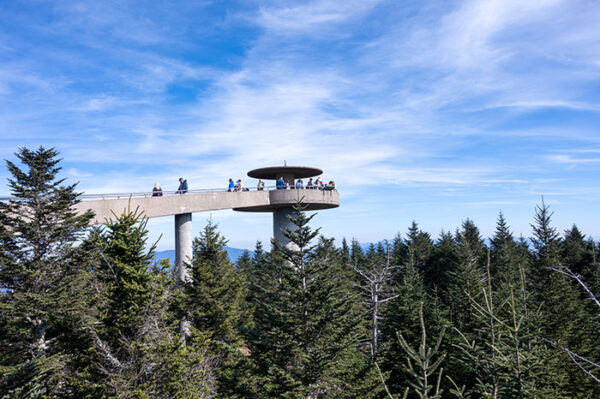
(434,111)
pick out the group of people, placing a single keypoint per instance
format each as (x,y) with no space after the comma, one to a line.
(237,186)
(182,189)
(281,184)
(317,184)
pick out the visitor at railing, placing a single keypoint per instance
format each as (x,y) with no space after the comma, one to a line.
(299,184)
(157,191)
(280,184)
(238,186)
(183,186)
(319,184)
(231,185)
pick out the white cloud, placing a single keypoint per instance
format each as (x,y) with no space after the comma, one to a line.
(312,17)
(568,159)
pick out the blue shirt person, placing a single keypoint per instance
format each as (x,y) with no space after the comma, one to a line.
(280,184)
(231,185)
(183,186)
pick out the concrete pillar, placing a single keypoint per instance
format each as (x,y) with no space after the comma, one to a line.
(282,222)
(183,245)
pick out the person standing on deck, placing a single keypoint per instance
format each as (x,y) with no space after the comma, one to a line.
(183,186)
(280,184)
(157,191)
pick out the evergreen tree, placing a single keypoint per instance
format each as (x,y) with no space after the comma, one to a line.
(545,240)
(345,252)
(506,255)
(419,247)
(214,302)
(306,334)
(124,274)
(506,355)
(442,264)
(565,312)
(214,296)
(466,281)
(423,364)
(133,346)
(591,272)
(357,254)
(42,281)
(401,316)
(399,251)
(575,252)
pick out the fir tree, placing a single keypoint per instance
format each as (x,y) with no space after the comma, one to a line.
(545,238)
(423,364)
(42,282)
(216,292)
(214,303)
(357,254)
(565,313)
(306,327)
(399,251)
(419,247)
(576,253)
(507,256)
(442,264)
(123,272)
(467,280)
(401,316)
(134,350)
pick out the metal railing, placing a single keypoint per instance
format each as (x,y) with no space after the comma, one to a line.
(145,194)
(166,193)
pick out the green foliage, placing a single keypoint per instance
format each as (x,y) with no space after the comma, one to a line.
(214,296)
(423,363)
(92,316)
(124,273)
(42,276)
(305,340)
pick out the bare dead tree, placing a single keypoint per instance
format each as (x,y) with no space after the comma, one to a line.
(375,290)
(586,365)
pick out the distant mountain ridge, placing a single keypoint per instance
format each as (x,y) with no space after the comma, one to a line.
(234,254)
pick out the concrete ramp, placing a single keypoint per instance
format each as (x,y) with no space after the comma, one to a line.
(245,201)
(173,204)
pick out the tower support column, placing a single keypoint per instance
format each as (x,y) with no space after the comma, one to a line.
(282,222)
(183,246)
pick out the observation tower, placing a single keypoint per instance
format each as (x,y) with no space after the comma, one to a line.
(181,206)
(281,201)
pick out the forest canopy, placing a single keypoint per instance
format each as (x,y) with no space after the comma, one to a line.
(86,312)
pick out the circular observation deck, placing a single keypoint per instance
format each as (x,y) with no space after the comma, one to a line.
(313,200)
(293,172)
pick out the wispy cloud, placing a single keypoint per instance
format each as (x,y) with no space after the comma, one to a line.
(568,159)
(468,100)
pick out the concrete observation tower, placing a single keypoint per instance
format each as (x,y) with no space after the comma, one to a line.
(281,202)
(181,206)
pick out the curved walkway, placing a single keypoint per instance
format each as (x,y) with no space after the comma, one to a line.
(104,205)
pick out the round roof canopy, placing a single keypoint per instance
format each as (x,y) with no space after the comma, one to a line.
(274,172)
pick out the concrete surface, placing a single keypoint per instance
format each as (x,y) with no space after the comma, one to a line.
(183,246)
(246,201)
(281,221)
